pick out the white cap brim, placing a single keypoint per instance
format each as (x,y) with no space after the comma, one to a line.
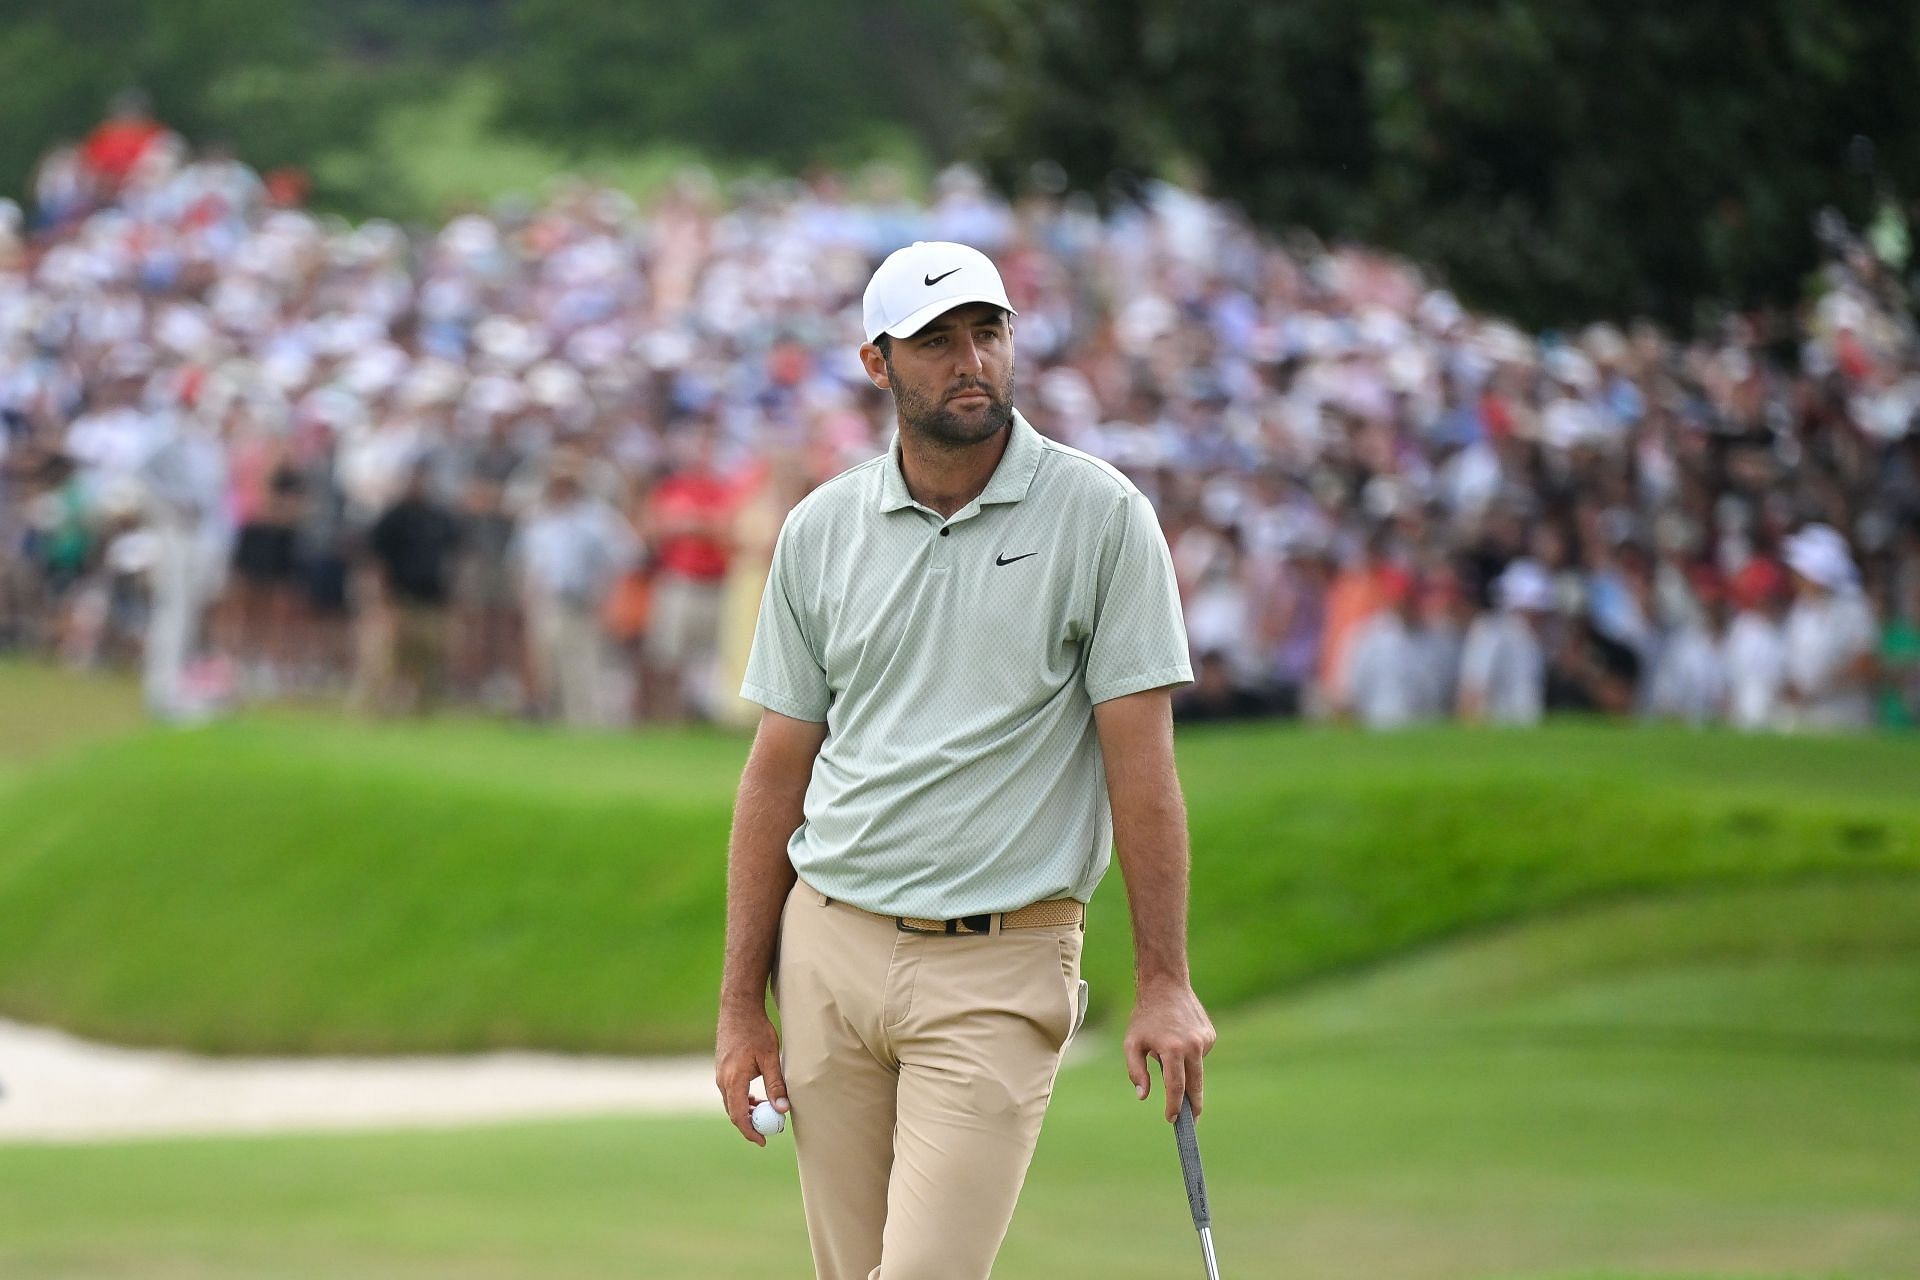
(926,315)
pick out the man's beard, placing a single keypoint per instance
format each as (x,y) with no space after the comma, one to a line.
(932,421)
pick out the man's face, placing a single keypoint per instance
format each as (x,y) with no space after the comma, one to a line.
(952,381)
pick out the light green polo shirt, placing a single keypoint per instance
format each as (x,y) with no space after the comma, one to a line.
(956,664)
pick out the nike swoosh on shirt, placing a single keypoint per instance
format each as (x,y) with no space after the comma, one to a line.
(1004,560)
(933,280)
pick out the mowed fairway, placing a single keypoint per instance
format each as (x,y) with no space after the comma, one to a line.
(1726,1086)
(1581,1005)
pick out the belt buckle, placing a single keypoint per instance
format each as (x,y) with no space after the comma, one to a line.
(962,924)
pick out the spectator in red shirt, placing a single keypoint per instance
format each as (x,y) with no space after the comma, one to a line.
(689,517)
(119,143)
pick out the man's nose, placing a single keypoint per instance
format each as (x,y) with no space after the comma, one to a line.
(966,356)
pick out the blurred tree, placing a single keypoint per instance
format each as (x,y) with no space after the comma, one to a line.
(1557,159)
(788,81)
(306,82)
(442,31)
(60,63)
(281,82)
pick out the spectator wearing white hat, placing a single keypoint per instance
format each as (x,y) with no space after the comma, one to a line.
(1831,636)
(1503,667)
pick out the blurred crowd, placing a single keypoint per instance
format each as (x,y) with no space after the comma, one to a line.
(534,460)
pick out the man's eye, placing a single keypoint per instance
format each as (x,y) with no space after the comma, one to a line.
(934,342)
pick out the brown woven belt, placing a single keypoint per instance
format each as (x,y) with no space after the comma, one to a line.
(1036,915)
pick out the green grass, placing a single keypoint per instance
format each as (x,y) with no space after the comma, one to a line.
(441,153)
(446,154)
(299,882)
(1579,1005)
(1725,1084)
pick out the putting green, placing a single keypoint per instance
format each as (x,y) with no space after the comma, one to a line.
(1722,1083)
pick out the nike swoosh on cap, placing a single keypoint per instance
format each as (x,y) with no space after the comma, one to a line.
(933,280)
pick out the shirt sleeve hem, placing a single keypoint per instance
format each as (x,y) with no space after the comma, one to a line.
(781,704)
(1159,677)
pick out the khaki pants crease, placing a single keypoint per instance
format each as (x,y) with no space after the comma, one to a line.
(919,1067)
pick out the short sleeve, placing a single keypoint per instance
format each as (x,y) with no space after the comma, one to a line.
(784,673)
(1138,639)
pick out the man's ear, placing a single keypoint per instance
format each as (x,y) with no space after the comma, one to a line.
(876,366)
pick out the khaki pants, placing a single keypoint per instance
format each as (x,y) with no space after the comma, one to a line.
(919,1067)
(420,654)
(565,653)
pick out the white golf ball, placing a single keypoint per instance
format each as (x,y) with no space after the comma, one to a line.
(767,1120)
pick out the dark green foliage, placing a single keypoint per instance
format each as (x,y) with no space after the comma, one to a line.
(790,81)
(60,63)
(307,81)
(1557,160)
(278,82)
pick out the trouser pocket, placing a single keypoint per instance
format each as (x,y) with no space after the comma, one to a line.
(1079,1011)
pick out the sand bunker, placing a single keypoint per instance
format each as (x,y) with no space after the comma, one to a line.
(55,1087)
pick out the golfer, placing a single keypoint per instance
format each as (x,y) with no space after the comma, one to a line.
(965,651)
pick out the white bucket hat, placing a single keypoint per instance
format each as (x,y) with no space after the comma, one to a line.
(1524,587)
(1819,554)
(926,279)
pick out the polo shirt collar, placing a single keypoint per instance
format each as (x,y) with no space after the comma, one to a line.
(893,481)
(1009,483)
(1014,476)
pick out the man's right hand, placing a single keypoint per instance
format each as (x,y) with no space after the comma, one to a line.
(745,1046)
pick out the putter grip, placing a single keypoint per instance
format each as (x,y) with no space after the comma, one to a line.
(1189,1143)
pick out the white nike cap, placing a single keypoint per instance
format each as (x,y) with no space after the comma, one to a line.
(924,280)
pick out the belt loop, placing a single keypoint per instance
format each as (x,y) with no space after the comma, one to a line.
(998,922)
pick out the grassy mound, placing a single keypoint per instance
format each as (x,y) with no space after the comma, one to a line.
(310,884)
(1723,1084)
(301,883)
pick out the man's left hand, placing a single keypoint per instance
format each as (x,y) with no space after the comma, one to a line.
(1169,1025)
